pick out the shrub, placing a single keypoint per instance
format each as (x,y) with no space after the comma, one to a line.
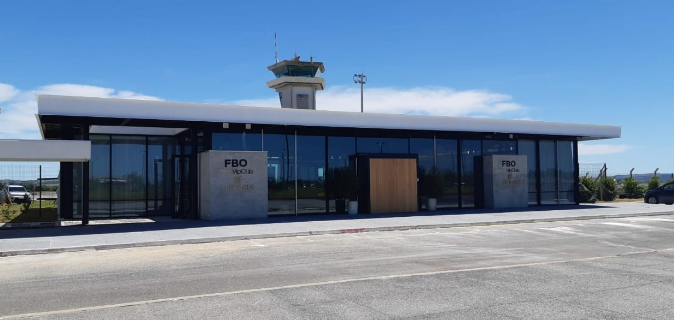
(5,211)
(607,189)
(586,195)
(590,184)
(654,183)
(631,189)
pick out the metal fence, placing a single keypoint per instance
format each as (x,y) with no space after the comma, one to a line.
(591,169)
(41,180)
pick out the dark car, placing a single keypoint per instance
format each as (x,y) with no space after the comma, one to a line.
(663,194)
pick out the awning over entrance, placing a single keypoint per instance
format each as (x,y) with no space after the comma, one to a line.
(45,150)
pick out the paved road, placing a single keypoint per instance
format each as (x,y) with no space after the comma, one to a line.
(612,268)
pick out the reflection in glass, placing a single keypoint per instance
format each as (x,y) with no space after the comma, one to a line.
(244,141)
(447,162)
(99,177)
(160,171)
(128,175)
(425,150)
(310,174)
(383,145)
(499,147)
(339,150)
(566,172)
(548,157)
(469,150)
(281,172)
(528,148)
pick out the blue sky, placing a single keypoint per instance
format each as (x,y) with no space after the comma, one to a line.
(601,62)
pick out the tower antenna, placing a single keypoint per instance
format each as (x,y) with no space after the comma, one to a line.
(275,49)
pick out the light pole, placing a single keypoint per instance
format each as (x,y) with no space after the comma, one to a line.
(362,79)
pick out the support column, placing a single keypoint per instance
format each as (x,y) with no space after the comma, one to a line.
(85,181)
(576,178)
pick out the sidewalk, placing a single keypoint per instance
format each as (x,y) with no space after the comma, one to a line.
(145,232)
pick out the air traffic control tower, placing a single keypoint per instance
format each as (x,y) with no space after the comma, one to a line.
(297,82)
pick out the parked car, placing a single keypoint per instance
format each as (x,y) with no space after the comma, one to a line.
(663,194)
(18,194)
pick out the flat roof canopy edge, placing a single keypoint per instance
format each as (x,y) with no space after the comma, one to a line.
(181,111)
(45,150)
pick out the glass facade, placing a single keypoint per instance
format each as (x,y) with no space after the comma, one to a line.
(339,150)
(237,141)
(281,172)
(383,145)
(134,175)
(447,160)
(130,176)
(547,152)
(566,172)
(469,150)
(311,174)
(528,148)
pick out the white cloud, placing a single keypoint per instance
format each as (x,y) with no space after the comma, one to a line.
(7,92)
(423,100)
(17,120)
(601,149)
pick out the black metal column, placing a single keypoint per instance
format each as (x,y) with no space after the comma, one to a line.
(459,174)
(85,181)
(538,172)
(576,178)
(66,190)
(194,208)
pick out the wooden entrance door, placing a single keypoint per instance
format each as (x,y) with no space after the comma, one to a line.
(393,185)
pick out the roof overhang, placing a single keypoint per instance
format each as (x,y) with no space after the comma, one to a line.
(316,82)
(45,150)
(182,111)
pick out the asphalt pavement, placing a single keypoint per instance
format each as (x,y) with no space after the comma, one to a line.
(128,233)
(615,268)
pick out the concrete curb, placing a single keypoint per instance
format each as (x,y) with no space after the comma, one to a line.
(310,233)
(29,225)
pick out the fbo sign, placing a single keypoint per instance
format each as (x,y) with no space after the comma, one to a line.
(508,163)
(236,163)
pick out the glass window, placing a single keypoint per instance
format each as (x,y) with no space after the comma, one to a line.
(499,147)
(160,172)
(245,141)
(447,161)
(383,145)
(99,177)
(548,157)
(426,151)
(566,172)
(469,150)
(281,172)
(339,150)
(528,148)
(310,174)
(128,178)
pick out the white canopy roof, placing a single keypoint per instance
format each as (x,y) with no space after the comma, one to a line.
(45,150)
(183,111)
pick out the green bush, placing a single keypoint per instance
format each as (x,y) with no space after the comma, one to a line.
(631,189)
(588,189)
(586,195)
(590,184)
(608,189)
(654,183)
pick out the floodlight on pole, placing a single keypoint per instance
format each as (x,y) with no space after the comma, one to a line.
(362,79)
